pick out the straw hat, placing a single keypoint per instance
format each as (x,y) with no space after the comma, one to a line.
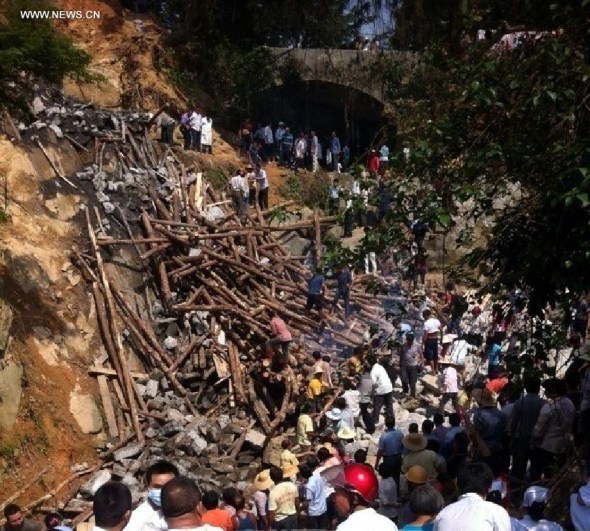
(448,338)
(417,475)
(317,369)
(414,442)
(334,414)
(262,481)
(346,433)
(484,397)
(289,471)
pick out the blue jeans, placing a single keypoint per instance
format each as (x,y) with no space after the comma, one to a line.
(454,326)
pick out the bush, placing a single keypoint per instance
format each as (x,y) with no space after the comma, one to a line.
(309,189)
(32,48)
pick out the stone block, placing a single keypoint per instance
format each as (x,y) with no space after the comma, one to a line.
(256,439)
(95,482)
(127,452)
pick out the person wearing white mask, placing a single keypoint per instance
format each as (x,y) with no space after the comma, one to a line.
(148,515)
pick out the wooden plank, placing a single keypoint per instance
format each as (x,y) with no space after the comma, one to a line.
(107,405)
(112,372)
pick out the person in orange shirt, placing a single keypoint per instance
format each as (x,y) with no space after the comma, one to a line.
(214,515)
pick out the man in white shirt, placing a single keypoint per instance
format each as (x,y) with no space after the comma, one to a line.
(430,339)
(314,150)
(148,515)
(262,182)
(382,389)
(111,506)
(269,143)
(181,505)
(195,122)
(239,189)
(471,512)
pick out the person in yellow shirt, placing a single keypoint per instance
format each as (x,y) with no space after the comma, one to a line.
(288,458)
(315,387)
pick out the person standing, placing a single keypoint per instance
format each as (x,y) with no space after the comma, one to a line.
(522,423)
(384,156)
(489,425)
(300,148)
(365,389)
(207,135)
(335,149)
(333,197)
(279,133)
(148,515)
(281,336)
(411,359)
(430,339)
(382,389)
(283,502)
(245,135)
(112,506)
(345,157)
(344,280)
(471,512)
(451,387)
(269,143)
(239,190)
(181,505)
(196,122)
(185,129)
(262,182)
(167,125)
(315,495)
(373,162)
(286,147)
(316,288)
(314,152)
(355,491)
(551,434)
(389,448)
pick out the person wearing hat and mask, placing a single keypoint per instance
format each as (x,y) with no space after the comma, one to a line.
(552,432)
(148,515)
(415,444)
(350,445)
(262,483)
(533,504)
(355,490)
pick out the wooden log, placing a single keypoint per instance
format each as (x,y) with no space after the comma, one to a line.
(94,369)
(112,316)
(53,166)
(24,489)
(236,371)
(258,408)
(317,237)
(160,266)
(107,405)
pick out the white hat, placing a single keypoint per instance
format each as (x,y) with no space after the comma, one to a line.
(346,433)
(334,414)
(534,494)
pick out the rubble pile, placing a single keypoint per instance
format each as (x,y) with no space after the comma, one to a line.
(185,374)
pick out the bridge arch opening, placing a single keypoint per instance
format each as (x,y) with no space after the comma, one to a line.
(324,107)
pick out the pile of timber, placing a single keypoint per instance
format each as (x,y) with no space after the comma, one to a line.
(185,374)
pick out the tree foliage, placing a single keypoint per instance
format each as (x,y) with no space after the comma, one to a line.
(31,49)
(502,135)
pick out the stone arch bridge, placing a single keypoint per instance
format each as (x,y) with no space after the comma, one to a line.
(357,69)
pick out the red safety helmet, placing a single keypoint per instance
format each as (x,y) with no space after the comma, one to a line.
(356,477)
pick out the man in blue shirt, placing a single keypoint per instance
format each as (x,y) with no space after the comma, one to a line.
(286,147)
(315,494)
(343,290)
(335,150)
(316,288)
(390,448)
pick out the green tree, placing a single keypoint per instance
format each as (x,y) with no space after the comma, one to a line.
(32,48)
(503,135)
